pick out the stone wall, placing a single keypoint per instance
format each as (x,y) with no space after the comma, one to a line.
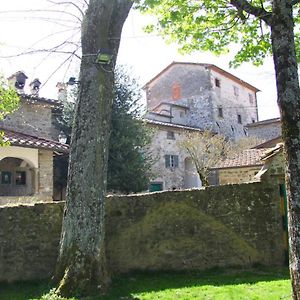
(45,174)
(171,178)
(265,130)
(34,119)
(232,225)
(238,175)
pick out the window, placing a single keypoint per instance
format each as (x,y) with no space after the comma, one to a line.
(181,114)
(171,161)
(220,112)
(253,120)
(170,135)
(217,82)
(5,177)
(239,117)
(250,98)
(20,178)
(235,91)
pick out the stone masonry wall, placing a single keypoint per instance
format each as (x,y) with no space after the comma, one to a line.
(45,174)
(232,225)
(31,119)
(238,175)
(265,131)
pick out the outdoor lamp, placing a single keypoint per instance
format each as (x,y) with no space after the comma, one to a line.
(103,57)
(62,138)
(72,81)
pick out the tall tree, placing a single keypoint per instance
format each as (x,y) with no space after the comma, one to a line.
(129,161)
(261,28)
(81,267)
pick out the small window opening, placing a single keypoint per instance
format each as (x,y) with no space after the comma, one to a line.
(220,112)
(217,82)
(239,119)
(170,135)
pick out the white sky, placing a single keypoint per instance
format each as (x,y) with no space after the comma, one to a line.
(145,54)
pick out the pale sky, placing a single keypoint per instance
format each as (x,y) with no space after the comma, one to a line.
(145,54)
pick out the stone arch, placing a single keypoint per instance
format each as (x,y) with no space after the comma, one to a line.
(191,177)
(17,177)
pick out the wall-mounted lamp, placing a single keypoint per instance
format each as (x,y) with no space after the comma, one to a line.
(72,81)
(103,57)
(62,138)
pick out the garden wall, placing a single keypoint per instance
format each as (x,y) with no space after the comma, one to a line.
(231,225)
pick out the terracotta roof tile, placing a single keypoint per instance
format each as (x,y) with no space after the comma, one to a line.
(247,158)
(25,140)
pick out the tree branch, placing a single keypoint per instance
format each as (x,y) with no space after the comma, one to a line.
(261,13)
(295,2)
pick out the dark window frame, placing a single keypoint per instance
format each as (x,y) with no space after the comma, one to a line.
(3,181)
(170,135)
(171,161)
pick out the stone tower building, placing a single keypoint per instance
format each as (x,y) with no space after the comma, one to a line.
(202,96)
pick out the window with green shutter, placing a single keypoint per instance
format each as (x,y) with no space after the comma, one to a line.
(171,161)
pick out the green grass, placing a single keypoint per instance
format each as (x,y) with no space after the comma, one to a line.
(255,284)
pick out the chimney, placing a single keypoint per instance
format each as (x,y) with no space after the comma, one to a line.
(35,87)
(17,80)
(62,91)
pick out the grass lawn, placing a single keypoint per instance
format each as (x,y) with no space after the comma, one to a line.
(234,284)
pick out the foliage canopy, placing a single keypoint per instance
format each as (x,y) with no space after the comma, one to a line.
(216,25)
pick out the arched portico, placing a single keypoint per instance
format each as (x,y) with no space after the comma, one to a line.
(18,177)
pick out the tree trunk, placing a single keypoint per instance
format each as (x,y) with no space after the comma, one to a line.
(284,55)
(81,267)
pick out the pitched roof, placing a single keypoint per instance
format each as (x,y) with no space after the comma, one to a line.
(264,122)
(171,125)
(269,143)
(209,66)
(170,104)
(247,158)
(30,141)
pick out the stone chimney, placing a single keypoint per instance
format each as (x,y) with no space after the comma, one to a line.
(35,87)
(17,81)
(62,91)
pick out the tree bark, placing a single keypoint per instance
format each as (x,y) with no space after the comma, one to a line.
(81,267)
(284,54)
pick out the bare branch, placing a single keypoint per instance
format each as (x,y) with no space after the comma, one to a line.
(41,10)
(295,2)
(261,13)
(65,61)
(68,3)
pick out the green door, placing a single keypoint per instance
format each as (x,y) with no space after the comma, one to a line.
(156,186)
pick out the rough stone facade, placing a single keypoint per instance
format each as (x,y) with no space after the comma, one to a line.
(216,99)
(181,176)
(238,175)
(46,174)
(231,225)
(34,119)
(265,130)
(200,96)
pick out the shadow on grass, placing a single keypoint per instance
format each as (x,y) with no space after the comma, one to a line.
(123,287)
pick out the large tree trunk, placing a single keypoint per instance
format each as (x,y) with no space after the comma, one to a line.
(81,267)
(289,102)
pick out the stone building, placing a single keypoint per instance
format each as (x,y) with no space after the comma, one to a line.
(26,164)
(193,96)
(266,129)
